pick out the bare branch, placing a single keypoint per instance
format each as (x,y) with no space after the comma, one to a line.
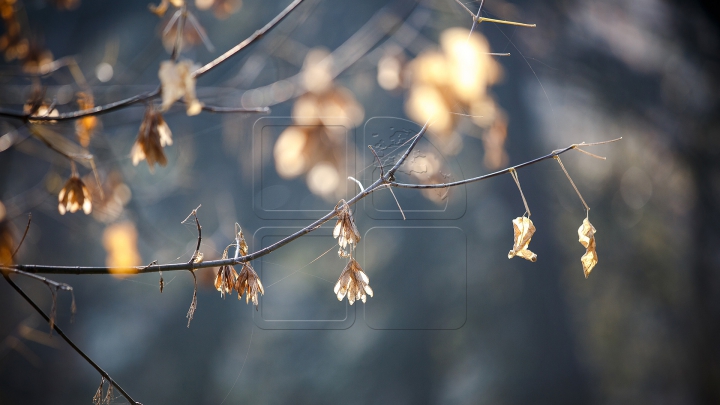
(249,40)
(377,185)
(27,228)
(70,342)
(410,148)
(101,109)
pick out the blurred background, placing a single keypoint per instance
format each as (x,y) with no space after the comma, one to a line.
(453,321)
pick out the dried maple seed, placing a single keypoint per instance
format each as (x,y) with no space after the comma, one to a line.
(85,127)
(225,280)
(586,232)
(178,82)
(524,230)
(345,230)
(354,283)
(154,134)
(249,283)
(73,196)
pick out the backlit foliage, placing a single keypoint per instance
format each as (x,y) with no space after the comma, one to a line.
(153,136)
(354,283)
(586,232)
(458,75)
(120,242)
(523,230)
(73,196)
(316,145)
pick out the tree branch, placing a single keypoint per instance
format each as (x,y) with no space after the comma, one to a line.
(70,342)
(249,40)
(375,186)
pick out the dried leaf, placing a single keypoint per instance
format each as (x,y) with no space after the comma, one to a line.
(345,230)
(225,280)
(193,303)
(85,127)
(354,283)
(97,398)
(249,283)
(108,395)
(73,196)
(153,136)
(524,230)
(7,242)
(177,82)
(586,232)
(242,246)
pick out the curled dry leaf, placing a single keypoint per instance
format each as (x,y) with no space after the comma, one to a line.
(154,134)
(85,127)
(225,280)
(524,230)
(73,196)
(177,82)
(354,283)
(586,232)
(161,8)
(7,243)
(345,230)
(242,246)
(97,398)
(249,283)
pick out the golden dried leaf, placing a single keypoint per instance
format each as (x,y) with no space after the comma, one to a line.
(586,232)
(249,283)
(161,8)
(354,283)
(154,134)
(242,245)
(73,196)
(177,82)
(120,242)
(85,127)
(345,230)
(225,280)
(523,229)
(7,243)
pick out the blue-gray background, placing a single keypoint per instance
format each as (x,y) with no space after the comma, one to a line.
(453,321)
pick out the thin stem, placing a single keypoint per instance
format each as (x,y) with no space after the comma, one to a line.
(482,19)
(400,161)
(101,109)
(177,48)
(27,228)
(513,172)
(486,176)
(573,183)
(70,342)
(397,202)
(252,38)
(377,185)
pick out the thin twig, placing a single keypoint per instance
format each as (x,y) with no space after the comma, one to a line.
(27,228)
(377,185)
(192,263)
(513,172)
(397,202)
(573,183)
(252,38)
(483,19)
(179,32)
(358,183)
(199,230)
(410,148)
(101,109)
(382,170)
(70,342)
